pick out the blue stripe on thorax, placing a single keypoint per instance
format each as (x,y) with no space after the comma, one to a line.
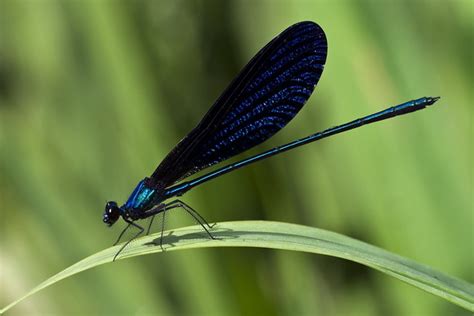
(140,197)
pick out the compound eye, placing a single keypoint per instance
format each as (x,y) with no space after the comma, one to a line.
(112,213)
(110,205)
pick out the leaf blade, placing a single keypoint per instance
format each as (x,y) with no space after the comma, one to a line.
(283,236)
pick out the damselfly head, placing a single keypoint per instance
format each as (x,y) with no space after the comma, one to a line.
(111,213)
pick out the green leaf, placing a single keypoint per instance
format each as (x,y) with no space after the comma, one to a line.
(285,236)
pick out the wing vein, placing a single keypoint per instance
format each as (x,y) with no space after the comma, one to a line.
(268,92)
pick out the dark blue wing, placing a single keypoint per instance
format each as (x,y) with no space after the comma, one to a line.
(264,97)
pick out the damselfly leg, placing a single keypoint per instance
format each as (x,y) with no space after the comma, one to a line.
(163,209)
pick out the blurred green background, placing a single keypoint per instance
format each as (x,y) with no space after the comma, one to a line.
(94,94)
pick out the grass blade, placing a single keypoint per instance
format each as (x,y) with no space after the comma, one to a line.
(275,235)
